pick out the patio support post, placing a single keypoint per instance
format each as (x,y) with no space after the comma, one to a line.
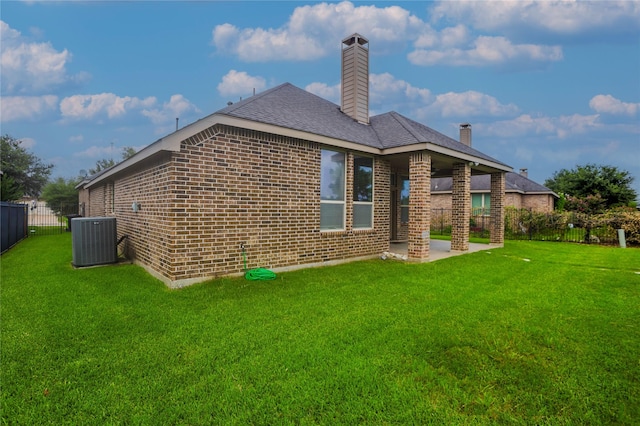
(496,229)
(461,203)
(419,206)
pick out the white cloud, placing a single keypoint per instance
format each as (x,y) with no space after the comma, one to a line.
(97,152)
(330,93)
(543,17)
(386,88)
(177,106)
(486,50)
(607,104)
(29,67)
(14,108)
(311,32)
(470,104)
(27,143)
(446,38)
(76,138)
(84,107)
(239,83)
(527,125)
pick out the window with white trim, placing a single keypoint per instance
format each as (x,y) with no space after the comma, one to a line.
(332,190)
(481,204)
(362,192)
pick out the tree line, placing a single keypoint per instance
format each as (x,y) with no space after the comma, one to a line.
(24,175)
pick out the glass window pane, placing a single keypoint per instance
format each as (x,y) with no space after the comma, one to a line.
(331,216)
(332,175)
(404,214)
(476,201)
(404,192)
(362,216)
(362,179)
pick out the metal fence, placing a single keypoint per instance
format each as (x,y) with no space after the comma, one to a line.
(13,224)
(441,222)
(50,220)
(569,226)
(523,224)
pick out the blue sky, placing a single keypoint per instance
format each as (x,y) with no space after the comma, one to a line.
(546,85)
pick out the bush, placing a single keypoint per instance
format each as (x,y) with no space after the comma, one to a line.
(573,226)
(624,218)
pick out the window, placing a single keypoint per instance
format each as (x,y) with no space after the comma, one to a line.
(362,192)
(480,204)
(332,190)
(404,200)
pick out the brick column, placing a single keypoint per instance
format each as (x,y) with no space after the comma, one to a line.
(461,204)
(497,208)
(419,206)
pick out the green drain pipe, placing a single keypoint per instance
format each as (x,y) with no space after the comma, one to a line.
(257,274)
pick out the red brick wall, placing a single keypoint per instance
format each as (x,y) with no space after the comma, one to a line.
(419,205)
(97,201)
(542,203)
(83,202)
(461,207)
(497,208)
(441,201)
(228,187)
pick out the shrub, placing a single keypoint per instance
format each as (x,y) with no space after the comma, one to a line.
(624,218)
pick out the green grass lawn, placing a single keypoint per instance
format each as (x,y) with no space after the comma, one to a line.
(534,333)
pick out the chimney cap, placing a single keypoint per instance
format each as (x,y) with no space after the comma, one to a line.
(355,38)
(465,125)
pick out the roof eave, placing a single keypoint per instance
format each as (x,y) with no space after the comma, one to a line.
(490,166)
(297,134)
(171,142)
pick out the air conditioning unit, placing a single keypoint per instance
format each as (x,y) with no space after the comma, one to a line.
(94,241)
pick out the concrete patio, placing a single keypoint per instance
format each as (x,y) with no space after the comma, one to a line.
(439,249)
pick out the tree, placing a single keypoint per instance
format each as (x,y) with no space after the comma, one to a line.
(8,188)
(104,164)
(127,152)
(61,195)
(23,174)
(585,182)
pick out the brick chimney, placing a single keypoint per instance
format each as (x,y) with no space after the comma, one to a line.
(465,134)
(355,78)
(524,172)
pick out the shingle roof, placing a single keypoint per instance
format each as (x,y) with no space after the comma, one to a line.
(514,182)
(294,108)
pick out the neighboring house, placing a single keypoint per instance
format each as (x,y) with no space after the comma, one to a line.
(520,192)
(294,179)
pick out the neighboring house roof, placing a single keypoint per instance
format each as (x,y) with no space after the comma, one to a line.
(514,182)
(291,111)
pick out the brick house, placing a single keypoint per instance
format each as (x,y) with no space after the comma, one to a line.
(295,179)
(520,192)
